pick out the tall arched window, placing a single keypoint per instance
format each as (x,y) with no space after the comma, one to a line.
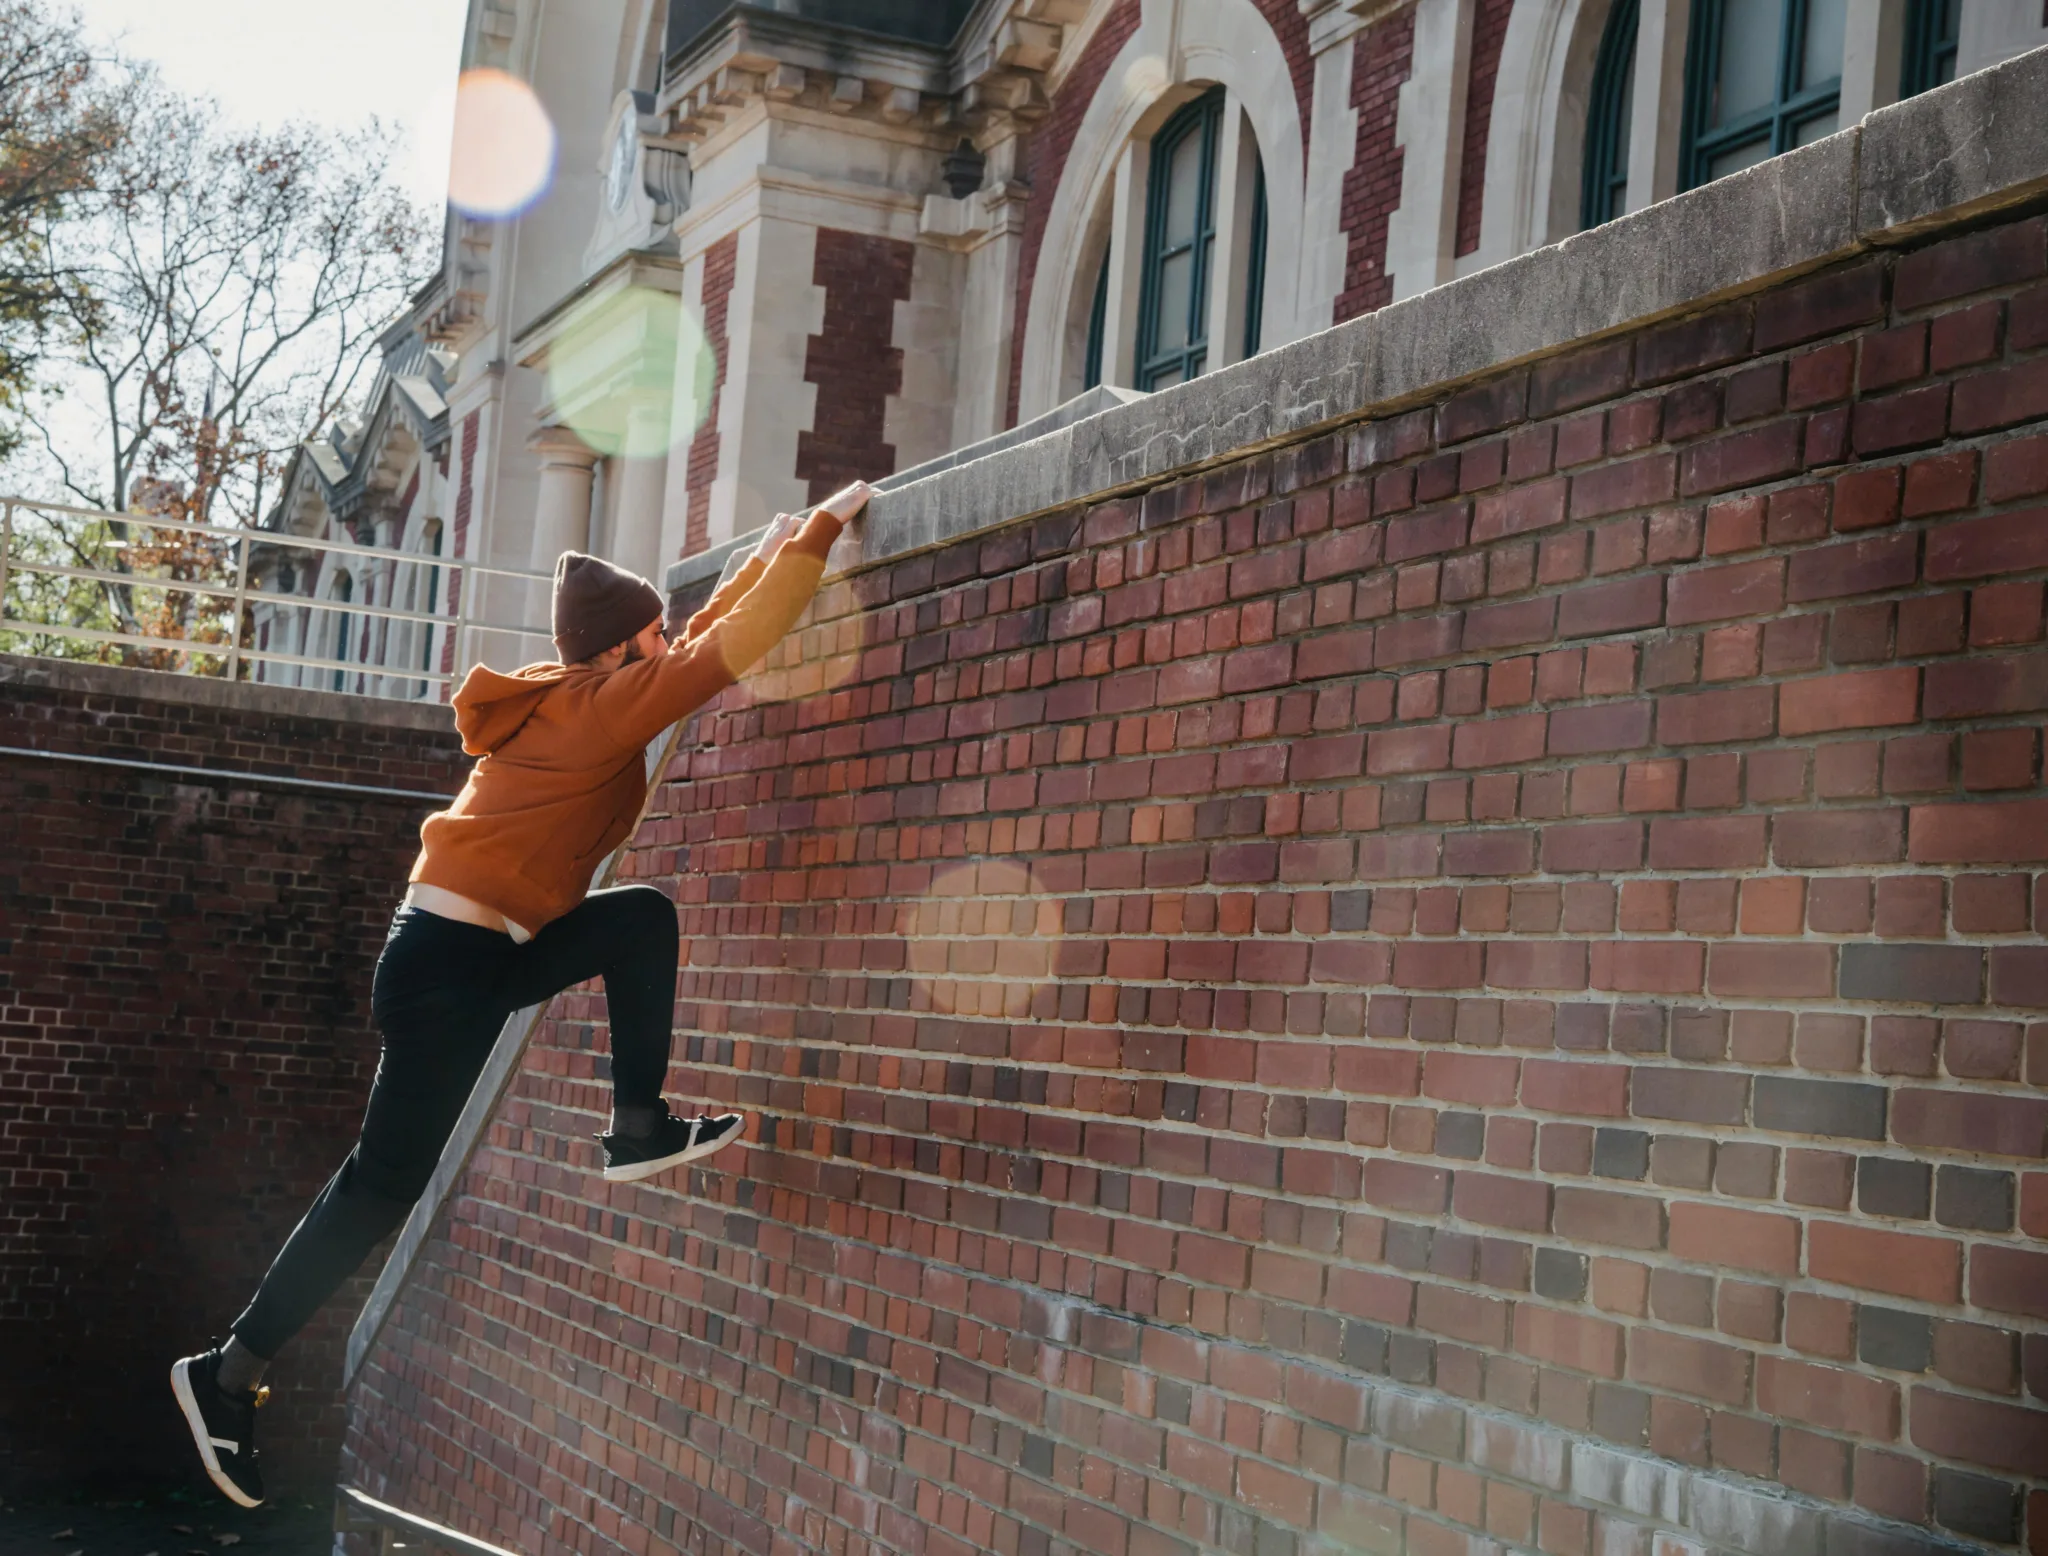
(1180,244)
(1933,28)
(1762,76)
(1098,322)
(1255,269)
(1604,191)
(432,606)
(344,590)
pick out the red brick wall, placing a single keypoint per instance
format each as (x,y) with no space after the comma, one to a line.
(1489,32)
(1283,1014)
(1045,160)
(185,1046)
(721,268)
(852,361)
(1382,57)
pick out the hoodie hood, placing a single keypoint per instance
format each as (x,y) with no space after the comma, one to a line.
(491,707)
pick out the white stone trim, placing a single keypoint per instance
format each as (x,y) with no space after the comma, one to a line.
(1873,48)
(1657,126)
(1325,247)
(1422,233)
(1993,31)
(1536,136)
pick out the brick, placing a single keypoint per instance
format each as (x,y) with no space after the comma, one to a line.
(2009,1280)
(1912,418)
(1940,272)
(1886,1186)
(1863,699)
(1610,1219)
(1648,967)
(1616,488)
(1704,1369)
(1762,970)
(1722,593)
(1744,458)
(1843,1109)
(1926,1269)
(1689,1095)
(1825,305)
(1852,567)
(2001,398)
(1832,1398)
(2004,1437)
(1806,840)
(1716,718)
(1984,548)
(2013,832)
(1735,1239)
(1937,975)
(1971,1121)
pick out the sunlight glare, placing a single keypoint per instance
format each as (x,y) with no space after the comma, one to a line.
(503,153)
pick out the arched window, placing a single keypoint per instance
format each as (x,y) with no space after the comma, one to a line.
(1098,321)
(1762,76)
(1933,28)
(1180,242)
(344,590)
(433,604)
(1604,191)
(1255,268)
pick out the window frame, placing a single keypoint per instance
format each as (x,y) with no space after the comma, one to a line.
(1781,120)
(1098,324)
(1928,48)
(1151,367)
(1601,182)
(1255,262)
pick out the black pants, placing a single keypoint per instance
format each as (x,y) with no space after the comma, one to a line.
(442,992)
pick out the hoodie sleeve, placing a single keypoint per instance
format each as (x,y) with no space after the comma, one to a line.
(723,599)
(637,703)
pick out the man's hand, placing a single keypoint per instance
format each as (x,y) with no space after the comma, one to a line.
(847,502)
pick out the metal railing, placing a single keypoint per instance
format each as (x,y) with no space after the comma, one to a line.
(189,593)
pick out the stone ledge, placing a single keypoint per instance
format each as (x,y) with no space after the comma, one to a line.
(282,702)
(1974,146)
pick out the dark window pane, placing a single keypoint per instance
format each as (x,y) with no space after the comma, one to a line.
(1747,82)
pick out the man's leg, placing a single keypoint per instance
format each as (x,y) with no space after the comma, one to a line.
(627,936)
(437,1003)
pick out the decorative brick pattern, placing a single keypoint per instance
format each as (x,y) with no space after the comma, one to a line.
(1382,57)
(1472,983)
(852,361)
(721,269)
(1045,160)
(185,1047)
(1489,33)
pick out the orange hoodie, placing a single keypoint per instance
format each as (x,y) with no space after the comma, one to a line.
(561,774)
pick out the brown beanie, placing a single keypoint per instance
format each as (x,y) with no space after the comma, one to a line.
(598,606)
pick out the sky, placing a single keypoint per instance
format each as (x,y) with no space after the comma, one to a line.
(268,61)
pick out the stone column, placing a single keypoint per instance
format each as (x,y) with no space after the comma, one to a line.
(1657,118)
(1422,233)
(561,519)
(1873,43)
(641,469)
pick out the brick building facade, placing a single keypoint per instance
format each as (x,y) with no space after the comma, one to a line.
(185,1039)
(1430,944)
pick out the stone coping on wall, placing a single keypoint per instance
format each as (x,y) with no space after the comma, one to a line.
(1975,146)
(71,675)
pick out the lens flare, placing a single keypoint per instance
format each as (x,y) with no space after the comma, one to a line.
(619,366)
(503,153)
(981,941)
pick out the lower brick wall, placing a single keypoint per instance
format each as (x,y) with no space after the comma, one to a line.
(185,1046)
(1469,985)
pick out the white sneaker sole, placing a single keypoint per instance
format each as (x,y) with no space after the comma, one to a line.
(181,1385)
(633,1172)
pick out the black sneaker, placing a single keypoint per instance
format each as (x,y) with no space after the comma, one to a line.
(674,1141)
(223,1425)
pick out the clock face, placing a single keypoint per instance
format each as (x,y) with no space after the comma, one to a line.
(625,153)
